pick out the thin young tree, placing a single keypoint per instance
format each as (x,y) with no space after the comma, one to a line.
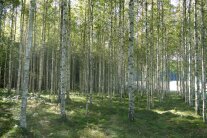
(9,85)
(1,14)
(197,90)
(203,62)
(63,68)
(189,79)
(131,61)
(23,123)
(20,45)
(42,51)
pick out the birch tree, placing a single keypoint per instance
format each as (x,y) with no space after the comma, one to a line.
(131,61)
(10,51)
(197,90)
(26,66)
(1,14)
(20,45)
(63,72)
(42,51)
(203,54)
(189,79)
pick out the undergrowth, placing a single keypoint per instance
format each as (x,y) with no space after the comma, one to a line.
(106,118)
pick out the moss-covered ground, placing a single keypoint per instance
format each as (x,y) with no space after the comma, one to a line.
(106,118)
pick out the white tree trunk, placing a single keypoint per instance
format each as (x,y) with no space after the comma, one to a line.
(42,50)
(189,56)
(203,36)
(1,14)
(131,61)
(20,47)
(23,123)
(197,90)
(63,59)
(10,51)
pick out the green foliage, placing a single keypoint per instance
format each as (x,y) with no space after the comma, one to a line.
(14,3)
(173,66)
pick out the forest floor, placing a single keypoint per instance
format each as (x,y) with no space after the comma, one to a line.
(106,119)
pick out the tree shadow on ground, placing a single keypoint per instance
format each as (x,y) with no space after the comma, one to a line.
(6,117)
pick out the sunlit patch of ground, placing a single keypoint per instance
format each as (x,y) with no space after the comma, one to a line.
(32,104)
(77,98)
(92,133)
(52,108)
(177,112)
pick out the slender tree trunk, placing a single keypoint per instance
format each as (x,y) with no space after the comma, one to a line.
(5,67)
(1,16)
(189,56)
(90,51)
(23,123)
(162,49)
(1,13)
(20,46)
(103,75)
(34,60)
(11,51)
(152,56)
(99,73)
(203,43)
(120,53)
(42,52)
(196,59)
(47,69)
(148,82)
(87,60)
(63,58)
(184,55)
(52,73)
(68,50)
(131,61)
(158,47)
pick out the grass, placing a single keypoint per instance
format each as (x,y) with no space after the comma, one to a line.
(106,119)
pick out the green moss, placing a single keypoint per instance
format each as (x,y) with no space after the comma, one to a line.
(171,118)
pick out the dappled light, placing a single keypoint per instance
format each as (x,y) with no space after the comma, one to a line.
(180,113)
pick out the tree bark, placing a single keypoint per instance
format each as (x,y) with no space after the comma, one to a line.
(23,123)
(189,56)
(131,61)
(63,79)
(197,90)
(203,43)
(11,44)
(20,46)
(42,50)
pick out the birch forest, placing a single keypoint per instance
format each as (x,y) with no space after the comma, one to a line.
(103,68)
